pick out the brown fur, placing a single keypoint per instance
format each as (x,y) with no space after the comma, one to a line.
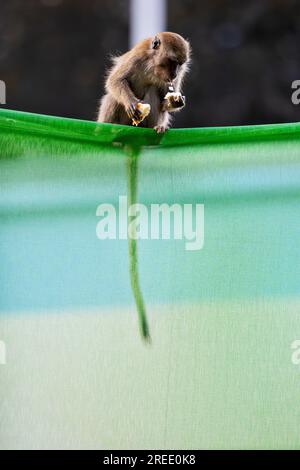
(143,75)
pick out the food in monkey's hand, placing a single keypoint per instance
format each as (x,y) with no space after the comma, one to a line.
(173,100)
(143,111)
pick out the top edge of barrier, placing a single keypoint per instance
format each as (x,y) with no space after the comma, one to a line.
(108,134)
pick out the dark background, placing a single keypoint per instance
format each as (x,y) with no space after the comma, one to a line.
(53,55)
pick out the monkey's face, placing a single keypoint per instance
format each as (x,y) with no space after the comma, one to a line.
(171,54)
(168,69)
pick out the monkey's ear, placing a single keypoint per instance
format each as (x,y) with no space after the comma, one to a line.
(156,42)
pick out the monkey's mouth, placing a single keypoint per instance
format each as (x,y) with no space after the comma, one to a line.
(167,81)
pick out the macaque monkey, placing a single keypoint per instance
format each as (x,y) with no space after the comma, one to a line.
(144,85)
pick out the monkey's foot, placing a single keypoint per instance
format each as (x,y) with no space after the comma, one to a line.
(174,101)
(161,129)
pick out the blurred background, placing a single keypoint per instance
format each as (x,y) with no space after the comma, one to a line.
(54,53)
(218,373)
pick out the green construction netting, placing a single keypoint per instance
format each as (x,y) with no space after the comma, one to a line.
(220,371)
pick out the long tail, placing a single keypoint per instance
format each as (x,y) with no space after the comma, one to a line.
(133,245)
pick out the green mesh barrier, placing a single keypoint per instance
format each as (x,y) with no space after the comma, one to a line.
(221,369)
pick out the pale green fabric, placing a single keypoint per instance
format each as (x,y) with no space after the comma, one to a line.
(219,371)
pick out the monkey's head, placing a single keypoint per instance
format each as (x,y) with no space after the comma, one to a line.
(170,56)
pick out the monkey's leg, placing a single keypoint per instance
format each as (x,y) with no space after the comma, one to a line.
(113,112)
(109,110)
(163,122)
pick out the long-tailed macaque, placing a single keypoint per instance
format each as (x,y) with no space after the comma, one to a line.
(144,85)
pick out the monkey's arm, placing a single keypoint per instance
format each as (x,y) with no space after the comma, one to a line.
(119,88)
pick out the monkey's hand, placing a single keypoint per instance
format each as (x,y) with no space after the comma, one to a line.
(173,102)
(138,112)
